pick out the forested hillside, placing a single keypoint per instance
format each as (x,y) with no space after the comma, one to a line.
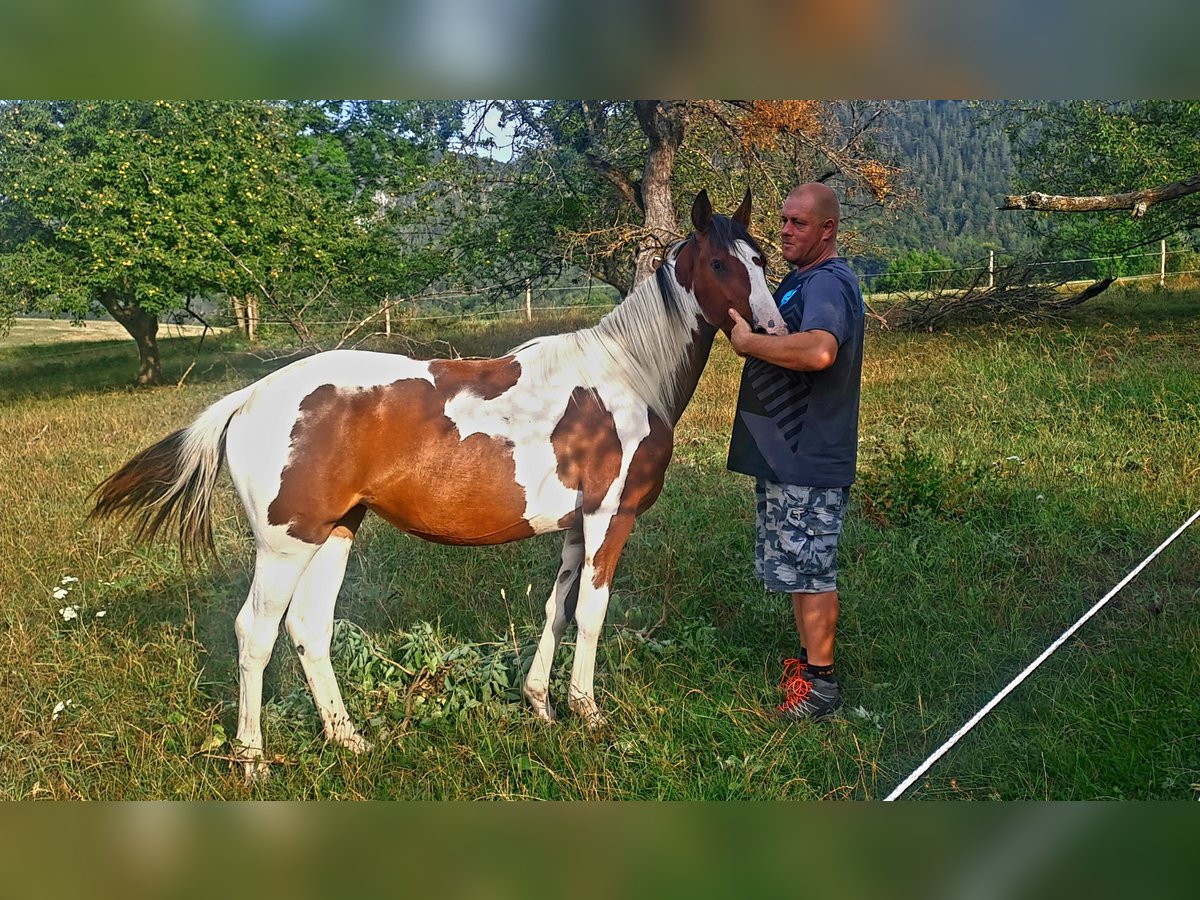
(956,162)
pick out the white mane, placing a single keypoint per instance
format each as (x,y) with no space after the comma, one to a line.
(643,344)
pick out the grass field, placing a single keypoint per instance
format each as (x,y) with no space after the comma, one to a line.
(1009,476)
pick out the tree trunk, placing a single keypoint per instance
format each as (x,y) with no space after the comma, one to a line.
(239,313)
(252,317)
(664,125)
(143,328)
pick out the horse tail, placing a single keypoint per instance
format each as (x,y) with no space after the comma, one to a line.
(173,480)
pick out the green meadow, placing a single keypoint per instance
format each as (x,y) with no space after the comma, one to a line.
(1009,476)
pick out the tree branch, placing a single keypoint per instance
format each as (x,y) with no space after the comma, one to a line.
(1137,201)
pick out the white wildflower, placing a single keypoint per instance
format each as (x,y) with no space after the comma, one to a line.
(69,612)
(69,579)
(60,708)
(60,593)
(100,614)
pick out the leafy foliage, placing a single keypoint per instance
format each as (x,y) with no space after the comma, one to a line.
(601,184)
(915,270)
(138,206)
(955,162)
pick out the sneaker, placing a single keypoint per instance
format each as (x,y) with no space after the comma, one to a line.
(808,697)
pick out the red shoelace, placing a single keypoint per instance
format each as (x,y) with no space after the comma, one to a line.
(795,686)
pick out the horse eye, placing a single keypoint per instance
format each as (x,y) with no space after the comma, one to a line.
(717,265)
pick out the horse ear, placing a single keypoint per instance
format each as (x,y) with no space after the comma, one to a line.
(742,216)
(701,212)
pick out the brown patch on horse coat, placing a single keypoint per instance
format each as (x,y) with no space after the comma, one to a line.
(643,484)
(393,450)
(486,378)
(587,447)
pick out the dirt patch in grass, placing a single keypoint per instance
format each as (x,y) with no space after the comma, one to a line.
(55,331)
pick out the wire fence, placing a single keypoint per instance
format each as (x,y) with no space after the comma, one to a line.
(542,301)
(1100,266)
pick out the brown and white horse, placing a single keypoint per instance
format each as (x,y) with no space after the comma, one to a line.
(566,433)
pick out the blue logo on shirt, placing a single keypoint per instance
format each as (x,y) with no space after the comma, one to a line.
(783,301)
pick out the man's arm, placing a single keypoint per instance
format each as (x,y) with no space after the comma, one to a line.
(803,351)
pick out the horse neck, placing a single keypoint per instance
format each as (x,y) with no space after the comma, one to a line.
(693,368)
(665,338)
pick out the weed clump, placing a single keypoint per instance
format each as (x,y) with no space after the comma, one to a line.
(909,485)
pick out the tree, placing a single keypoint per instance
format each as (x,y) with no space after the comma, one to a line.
(135,207)
(604,183)
(1094,158)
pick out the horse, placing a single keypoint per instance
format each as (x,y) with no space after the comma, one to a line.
(567,433)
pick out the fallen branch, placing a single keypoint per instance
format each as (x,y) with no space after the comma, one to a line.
(1017,292)
(1137,201)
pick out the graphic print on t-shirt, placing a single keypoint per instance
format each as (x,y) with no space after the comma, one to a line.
(784,398)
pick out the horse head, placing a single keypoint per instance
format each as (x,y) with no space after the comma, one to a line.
(724,268)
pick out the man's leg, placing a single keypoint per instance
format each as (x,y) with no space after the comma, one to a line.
(816,623)
(811,691)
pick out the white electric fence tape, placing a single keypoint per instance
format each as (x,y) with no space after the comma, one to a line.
(937,754)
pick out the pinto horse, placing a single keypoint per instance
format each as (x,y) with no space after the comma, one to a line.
(571,433)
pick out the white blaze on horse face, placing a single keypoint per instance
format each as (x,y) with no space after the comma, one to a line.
(762,303)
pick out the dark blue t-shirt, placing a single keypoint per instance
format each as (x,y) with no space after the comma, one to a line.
(802,427)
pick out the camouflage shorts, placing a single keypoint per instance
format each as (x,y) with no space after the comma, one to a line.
(797,530)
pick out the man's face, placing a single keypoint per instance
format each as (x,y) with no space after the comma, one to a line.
(802,230)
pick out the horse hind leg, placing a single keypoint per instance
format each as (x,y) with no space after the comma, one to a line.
(310,626)
(559,609)
(276,574)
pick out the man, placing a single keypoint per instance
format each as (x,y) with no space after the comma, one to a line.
(796,432)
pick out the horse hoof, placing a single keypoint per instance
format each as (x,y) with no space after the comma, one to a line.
(356,744)
(255,769)
(590,713)
(539,703)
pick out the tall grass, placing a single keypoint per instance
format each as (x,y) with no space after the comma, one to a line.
(1009,476)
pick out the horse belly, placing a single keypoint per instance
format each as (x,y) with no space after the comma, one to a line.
(479,489)
(452,500)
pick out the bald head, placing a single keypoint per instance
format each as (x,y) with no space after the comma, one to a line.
(822,198)
(810,217)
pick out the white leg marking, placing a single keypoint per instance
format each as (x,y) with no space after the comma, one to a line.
(537,682)
(257,626)
(590,613)
(310,626)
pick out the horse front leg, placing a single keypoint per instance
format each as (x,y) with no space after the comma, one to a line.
(559,608)
(604,540)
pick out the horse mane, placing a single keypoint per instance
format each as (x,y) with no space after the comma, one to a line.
(643,343)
